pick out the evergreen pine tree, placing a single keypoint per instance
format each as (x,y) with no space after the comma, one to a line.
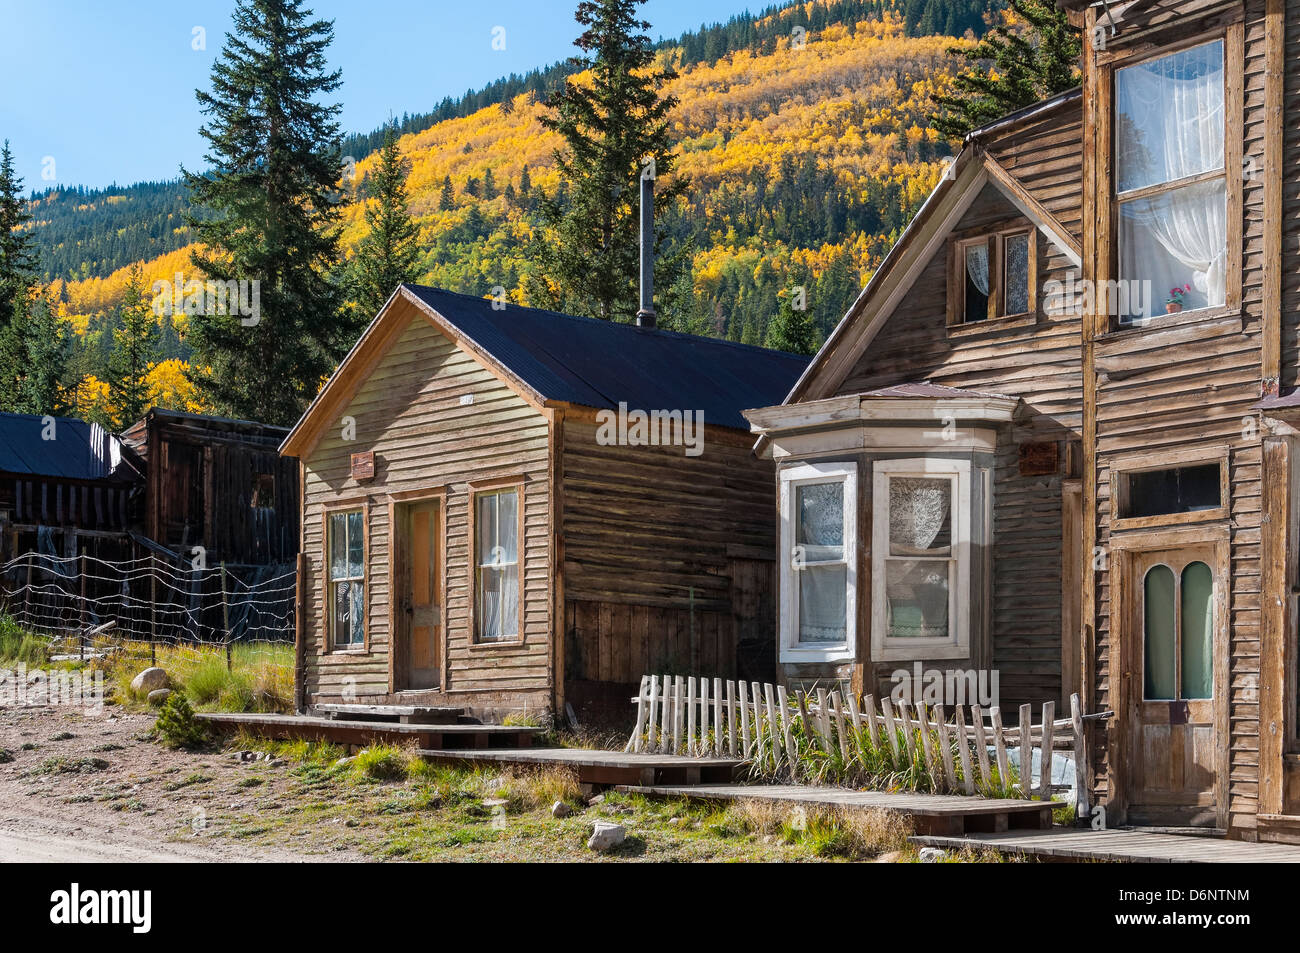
(272,208)
(17,276)
(48,347)
(610,127)
(447,201)
(791,331)
(135,351)
(1013,67)
(386,257)
(489,186)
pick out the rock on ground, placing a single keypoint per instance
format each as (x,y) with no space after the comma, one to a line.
(560,809)
(932,855)
(149,680)
(159,695)
(606,836)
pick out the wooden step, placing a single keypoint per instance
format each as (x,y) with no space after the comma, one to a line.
(340,731)
(402,714)
(603,768)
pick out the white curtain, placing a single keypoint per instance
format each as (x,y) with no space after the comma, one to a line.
(918,510)
(498,565)
(977,266)
(823,603)
(920,524)
(1170,125)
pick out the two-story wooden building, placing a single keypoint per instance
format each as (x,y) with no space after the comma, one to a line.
(1083,481)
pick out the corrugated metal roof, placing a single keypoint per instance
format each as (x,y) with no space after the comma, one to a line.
(602,363)
(78,450)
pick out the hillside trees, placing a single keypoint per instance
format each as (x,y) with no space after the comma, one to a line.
(1031,56)
(135,352)
(272,208)
(17,276)
(386,256)
(610,127)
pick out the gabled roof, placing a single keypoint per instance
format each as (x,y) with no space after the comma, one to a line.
(554,359)
(924,236)
(79,450)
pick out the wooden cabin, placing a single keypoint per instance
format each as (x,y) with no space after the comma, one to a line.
(509,509)
(66,486)
(1099,494)
(219,484)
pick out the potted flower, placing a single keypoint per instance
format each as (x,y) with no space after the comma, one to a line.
(1174,303)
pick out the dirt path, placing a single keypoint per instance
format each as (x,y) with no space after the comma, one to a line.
(87,787)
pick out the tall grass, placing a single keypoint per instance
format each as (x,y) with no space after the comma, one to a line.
(18,646)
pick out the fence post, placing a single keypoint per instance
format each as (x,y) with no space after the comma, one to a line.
(153,610)
(82,638)
(27,595)
(225,615)
(1081,809)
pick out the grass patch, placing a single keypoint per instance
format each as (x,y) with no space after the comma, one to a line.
(20,647)
(70,766)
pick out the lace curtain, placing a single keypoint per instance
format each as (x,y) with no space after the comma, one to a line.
(498,565)
(1170,125)
(977,266)
(920,525)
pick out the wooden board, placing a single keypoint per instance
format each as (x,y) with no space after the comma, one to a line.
(1131,846)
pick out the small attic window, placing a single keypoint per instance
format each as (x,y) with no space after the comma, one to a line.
(991,275)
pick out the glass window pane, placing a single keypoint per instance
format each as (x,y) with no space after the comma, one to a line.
(916,591)
(1169,117)
(1016,291)
(820,515)
(508,525)
(1176,490)
(342,618)
(485,528)
(356,545)
(1175,246)
(357,621)
(1158,633)
(338,543)
(977,282)
(510,602)
(920,516)
(1198,631)
(823,601)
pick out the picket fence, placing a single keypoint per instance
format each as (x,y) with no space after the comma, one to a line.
(776,732)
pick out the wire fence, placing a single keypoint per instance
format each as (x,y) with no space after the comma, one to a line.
(85,601)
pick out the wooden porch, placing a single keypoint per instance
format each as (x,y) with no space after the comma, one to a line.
(1119,846)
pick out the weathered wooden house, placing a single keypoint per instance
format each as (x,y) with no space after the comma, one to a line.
(65,486)
(1087,481)
(506,508)
(219,484)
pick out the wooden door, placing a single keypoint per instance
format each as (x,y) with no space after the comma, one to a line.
(1177,652)
(420,611)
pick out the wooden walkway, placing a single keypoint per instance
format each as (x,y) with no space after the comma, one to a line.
(1126,846)
(603,768)
(944,814)
(446,736)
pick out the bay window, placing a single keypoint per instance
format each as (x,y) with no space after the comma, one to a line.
(1172,181)
(920,564)
(819,562)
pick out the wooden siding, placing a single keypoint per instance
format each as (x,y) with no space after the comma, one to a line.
(667,558)
(409,411)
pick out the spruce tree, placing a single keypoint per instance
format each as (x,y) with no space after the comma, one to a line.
(17,277)
(48,348)
(135,352)
(1012,67)
(590,262)
(271,207)
(792,331)
(386,256)
(447,201)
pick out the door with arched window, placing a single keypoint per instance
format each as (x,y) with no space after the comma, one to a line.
(1176,620)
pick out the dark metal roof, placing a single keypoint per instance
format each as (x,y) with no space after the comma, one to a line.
(79,450)
(601,363)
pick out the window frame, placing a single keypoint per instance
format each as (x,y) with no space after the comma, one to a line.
(476,491)
(958,642)
(1122,466)
(995,237)
(344,508)
(807,474)
(1108,231)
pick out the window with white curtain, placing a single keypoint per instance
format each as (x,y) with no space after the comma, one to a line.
(920,558)
(346,545)
(496,565)
(819,562)
(1171,180)
(993,276)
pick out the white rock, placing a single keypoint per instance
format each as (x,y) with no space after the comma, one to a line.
(150,680)
(606,836)
(932,855)
(159,695)
(560,809)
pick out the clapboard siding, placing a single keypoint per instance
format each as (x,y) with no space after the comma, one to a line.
(410,411)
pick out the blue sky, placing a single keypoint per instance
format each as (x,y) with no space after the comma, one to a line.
(94,93)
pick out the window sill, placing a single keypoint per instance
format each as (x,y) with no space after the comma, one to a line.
(1120,524)
(502,644)
(835,652)
(1164,322)
(918,652)
(347,653)
(974,328)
